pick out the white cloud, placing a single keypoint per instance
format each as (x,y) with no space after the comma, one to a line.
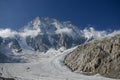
(91,32)
(4,33)
(88,33)
(28,32)
(63,30)
(7,33)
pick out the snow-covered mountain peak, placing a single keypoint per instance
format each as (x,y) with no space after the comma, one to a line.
(51,26)
(33,25)
(36,23)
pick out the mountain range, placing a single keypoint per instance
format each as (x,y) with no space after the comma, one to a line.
(43,34)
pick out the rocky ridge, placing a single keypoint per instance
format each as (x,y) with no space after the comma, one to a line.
(97,57)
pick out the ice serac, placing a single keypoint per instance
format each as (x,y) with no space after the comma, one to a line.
(98,56)
(52,33)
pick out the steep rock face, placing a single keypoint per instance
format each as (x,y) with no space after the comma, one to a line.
(98,56)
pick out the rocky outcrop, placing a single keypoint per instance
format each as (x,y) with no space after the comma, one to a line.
(98,56)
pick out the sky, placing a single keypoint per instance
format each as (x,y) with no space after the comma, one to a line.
(102,14)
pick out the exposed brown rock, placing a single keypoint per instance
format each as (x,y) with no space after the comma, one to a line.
(98,56)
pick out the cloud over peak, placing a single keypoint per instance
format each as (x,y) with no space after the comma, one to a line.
(7,33)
